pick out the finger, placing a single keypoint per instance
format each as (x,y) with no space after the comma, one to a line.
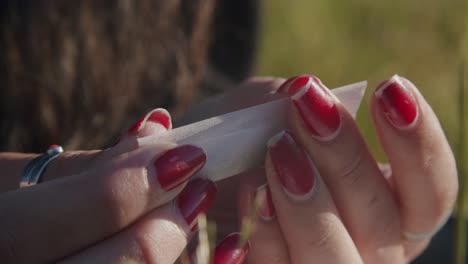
(305,210)
(231,250)
(75,162)
(91,206)
(155,122)
(12,165)
(423,166)
(328,133)
(66,164)
(257,211)
(158,237)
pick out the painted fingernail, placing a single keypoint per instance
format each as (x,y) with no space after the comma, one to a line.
(158,116)
(397,102)
(195,199)
(266,209)
(294,83)
(177,165)
(231,251)
(295,170)
(316,106)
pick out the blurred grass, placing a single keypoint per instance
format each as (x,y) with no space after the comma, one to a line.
(344,41)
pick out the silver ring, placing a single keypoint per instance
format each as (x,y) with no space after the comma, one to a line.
(33,171)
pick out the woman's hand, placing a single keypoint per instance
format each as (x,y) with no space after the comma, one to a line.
(326,199)
(114,206)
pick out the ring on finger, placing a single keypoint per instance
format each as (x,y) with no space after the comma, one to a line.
(33,171)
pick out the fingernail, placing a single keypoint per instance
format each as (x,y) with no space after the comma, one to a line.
(266,209)
(316,106)
(397,102)
(195,199)
(177,165)
(295,170)
(157,116)
(230,250)
(291,85)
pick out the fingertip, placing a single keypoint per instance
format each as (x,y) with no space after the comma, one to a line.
(396,99)
(423,165)
(152,122)
(177,165)
(232,250)
(293,84)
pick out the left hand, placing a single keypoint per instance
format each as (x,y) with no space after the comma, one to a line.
(119,205)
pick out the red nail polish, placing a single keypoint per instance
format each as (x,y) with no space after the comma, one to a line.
(195,199)
(316,107)
(159,116)
(229,251)
(177,165)
(293,84)
(295,170)
(397,102)
(283,88)
(266,209)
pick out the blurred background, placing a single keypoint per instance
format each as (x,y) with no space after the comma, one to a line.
(344,41)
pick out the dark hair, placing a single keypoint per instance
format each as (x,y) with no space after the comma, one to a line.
(77,72)
(73,72)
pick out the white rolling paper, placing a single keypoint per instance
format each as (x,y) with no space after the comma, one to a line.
(236,141)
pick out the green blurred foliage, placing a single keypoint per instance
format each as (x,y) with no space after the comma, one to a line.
(343,41)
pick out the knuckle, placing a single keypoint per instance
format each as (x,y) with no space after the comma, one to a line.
(124,194)
(348,173)
(325,235)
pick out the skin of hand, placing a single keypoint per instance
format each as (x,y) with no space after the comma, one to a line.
(124,204)
(355,209)
(332,231)
(324,197)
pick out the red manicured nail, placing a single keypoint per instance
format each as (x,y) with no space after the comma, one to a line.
(195,199)
(316,106)
(295,170)
(397,102)
(158,116)
(229,251)
(293,84)
(177,165)
(266,209)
